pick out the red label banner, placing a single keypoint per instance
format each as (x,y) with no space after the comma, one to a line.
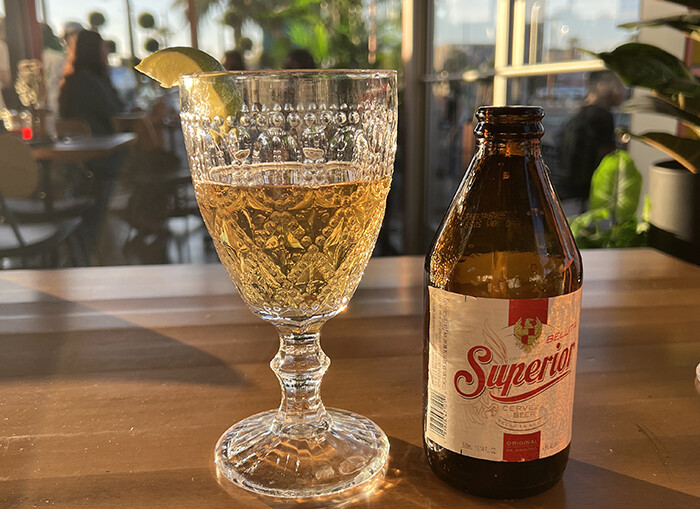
(527,308)
(521,447)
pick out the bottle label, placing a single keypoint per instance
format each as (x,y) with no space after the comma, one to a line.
(501,374)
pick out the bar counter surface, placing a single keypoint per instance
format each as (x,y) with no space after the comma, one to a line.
(115,384)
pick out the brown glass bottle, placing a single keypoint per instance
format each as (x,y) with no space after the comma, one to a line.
(504,236)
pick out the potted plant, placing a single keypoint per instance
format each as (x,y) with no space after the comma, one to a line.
(611,221)
(674,185)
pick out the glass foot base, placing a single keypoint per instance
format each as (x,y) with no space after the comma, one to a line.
(257,455)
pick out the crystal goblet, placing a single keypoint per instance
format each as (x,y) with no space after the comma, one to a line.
(291,171)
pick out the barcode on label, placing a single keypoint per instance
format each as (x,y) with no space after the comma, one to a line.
(438,414)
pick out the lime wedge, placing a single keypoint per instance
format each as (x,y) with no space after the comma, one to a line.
(167,65)
(215,96)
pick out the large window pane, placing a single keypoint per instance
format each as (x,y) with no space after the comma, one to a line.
(464,38)
(464,35)
(451,142)
(151,216)
(555,30)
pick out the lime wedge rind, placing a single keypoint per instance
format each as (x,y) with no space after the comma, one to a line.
(167,65)
(216,95)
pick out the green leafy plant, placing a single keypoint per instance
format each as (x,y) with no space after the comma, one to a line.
(335,32)
(675,90)
(612,221)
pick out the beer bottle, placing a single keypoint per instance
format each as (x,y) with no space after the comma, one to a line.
(502,314)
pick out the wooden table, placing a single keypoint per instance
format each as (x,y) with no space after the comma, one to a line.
(115,384)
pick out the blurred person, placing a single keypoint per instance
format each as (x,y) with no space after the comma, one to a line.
(124,81)
(121,73)
(86,90)
(587,137)
(54,60)
(70,31)
(299,59)
(233,61)
(5,75)
(87,93)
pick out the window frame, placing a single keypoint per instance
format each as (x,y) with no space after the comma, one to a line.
(518,69)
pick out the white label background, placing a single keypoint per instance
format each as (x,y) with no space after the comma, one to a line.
(475,426)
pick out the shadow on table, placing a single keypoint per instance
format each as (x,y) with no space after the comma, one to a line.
(409,483)
(90,343)
(583,486)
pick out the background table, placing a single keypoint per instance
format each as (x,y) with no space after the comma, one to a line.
(76,150)
(115,384)
(82,148)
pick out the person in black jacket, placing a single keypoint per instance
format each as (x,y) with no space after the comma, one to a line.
(86,90)
(585,139)
(87,93)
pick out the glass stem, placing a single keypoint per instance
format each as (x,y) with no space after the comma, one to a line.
(299,365)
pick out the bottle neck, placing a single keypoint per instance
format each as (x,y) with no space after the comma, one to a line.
(509,147)
(509,130)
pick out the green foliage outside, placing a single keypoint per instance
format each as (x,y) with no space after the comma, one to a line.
(336,32)
(612,221)
(616,184)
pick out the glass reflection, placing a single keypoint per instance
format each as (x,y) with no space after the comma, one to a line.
(583,114)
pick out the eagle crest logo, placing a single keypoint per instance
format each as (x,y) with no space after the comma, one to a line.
(527,331)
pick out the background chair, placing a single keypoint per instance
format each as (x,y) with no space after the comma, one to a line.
(161,199)
(31,208)
(28,240)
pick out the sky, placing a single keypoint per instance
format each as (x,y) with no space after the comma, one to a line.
(213,37)
(591,21)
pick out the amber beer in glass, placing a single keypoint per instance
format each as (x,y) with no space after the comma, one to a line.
(503,297)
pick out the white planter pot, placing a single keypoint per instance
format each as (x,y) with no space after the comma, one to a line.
(674,201)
